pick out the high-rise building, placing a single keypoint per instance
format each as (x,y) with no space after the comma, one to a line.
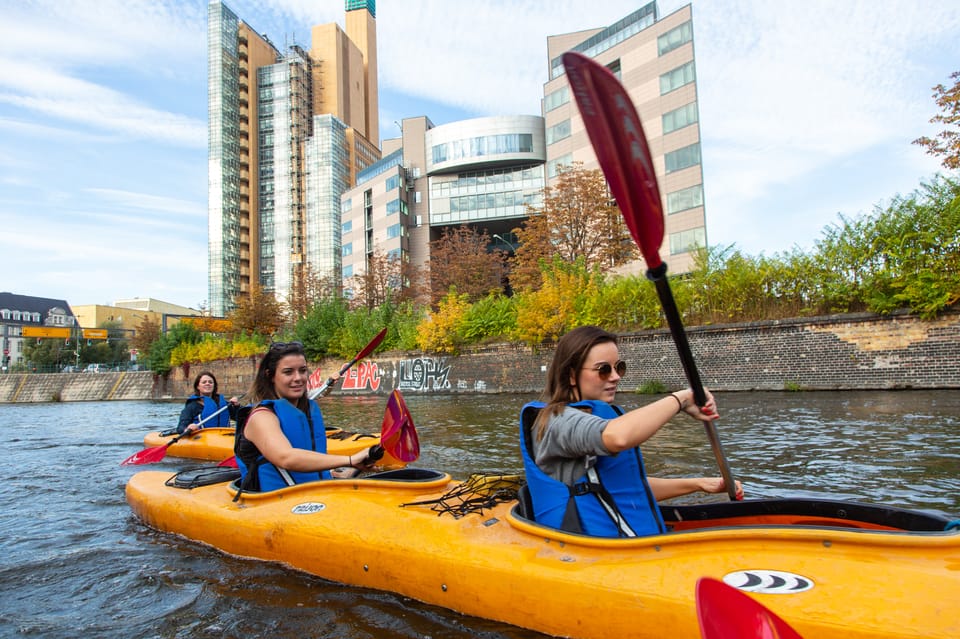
(481,173)
(288,133)
(654,59)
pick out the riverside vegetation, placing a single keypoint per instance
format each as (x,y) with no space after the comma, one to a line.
(905,256)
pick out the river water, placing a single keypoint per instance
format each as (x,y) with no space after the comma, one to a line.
(76,563)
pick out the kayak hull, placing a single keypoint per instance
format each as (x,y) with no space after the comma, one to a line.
(495,564)
(216,444)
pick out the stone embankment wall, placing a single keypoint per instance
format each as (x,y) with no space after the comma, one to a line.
(75,387)
(842,352)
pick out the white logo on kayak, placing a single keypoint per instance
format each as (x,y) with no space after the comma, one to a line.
(308,508)
(770,582)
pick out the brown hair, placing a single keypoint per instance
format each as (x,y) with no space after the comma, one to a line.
(570,355)
(263,383)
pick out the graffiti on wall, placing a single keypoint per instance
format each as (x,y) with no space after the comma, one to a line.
(364,376)
(423,374)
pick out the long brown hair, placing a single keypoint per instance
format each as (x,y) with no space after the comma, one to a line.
(571,353)
(263,387)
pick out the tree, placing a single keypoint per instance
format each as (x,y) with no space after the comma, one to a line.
(946,143)
(258,313)
(308,289)
(386,280)
(462,259)
(578,219)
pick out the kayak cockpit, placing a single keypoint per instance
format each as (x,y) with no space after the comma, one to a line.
(784,514)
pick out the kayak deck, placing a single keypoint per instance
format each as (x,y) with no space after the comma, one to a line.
(827,576)
(216,444)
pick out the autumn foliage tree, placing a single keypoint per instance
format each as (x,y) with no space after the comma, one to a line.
(578,219)
(946,144)
(146,333)
(384,280)
(257,313)
(308,288)
(461,258)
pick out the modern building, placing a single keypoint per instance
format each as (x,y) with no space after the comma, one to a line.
(482,173)
(125,316)
(654,59)
(288,132)
(23,317)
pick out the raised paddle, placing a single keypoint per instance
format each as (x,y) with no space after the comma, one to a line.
(157,453)
(727,613)
(313,393)
(618,140)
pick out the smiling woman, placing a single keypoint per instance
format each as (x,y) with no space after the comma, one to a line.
(283,441)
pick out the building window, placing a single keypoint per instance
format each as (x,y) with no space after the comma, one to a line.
(347,249)
(393,206)
(682,158)
(673,80)
(558,132)
(686,241)
(685,199)
(348,270)
(346,227)
(556,99)
(675,38)
(392,183)
(679,118)
(346,205)
(394,231)
(555,165)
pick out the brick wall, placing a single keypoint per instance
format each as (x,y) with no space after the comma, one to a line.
(857,351)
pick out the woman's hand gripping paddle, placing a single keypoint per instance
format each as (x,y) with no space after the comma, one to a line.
(313,393)
(726,613)
(618,140)
(157,453)
(398,435)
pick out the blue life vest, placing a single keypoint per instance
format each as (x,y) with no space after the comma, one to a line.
(210,406)
(302,431)
(612,500)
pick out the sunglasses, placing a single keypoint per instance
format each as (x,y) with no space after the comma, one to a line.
(604,370)
(283,346)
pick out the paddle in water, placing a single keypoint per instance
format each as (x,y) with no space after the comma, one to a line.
(157,453)
(726,613)
(621,148)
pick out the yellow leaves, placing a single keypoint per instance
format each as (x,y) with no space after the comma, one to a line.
(441,332)
(213,348)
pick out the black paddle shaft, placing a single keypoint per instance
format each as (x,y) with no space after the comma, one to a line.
(658,276)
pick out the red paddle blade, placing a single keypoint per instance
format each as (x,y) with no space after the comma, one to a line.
(146,456)
(621,148)
(372,345)
(398,435)
(726,613)
(230,462)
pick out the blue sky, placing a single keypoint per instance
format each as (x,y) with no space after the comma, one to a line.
(807,110)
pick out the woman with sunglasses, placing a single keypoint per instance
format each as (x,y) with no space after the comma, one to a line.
(581,452)
(283,441)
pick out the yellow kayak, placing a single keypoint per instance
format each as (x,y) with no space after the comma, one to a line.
(216,444)
(830,569)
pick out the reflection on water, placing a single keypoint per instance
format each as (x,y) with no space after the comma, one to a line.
(75,563)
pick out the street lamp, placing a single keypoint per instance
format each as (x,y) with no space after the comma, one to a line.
(500,237)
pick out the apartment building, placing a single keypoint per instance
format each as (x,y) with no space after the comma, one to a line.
(654,59)
(288,132)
